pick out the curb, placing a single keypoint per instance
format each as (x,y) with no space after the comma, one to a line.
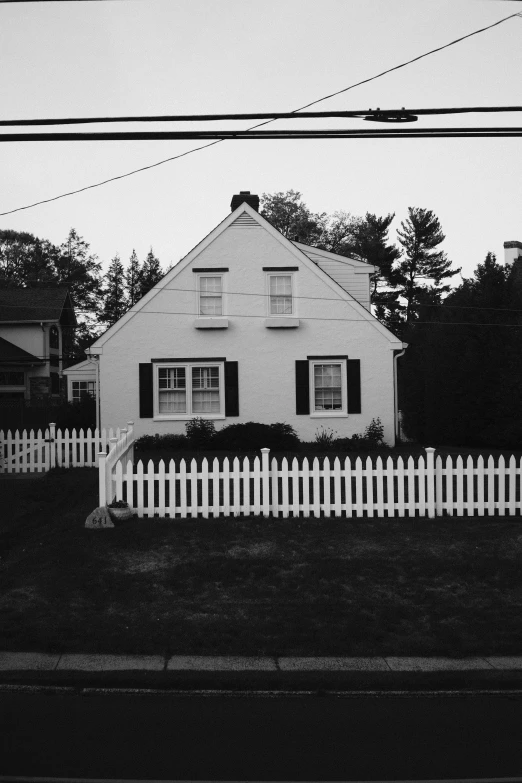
(91,663)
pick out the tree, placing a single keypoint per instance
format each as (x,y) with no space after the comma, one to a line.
(290,215)
(115,303)
(133,279)
(421,234)
(25,260)
(461,376)
(151,273)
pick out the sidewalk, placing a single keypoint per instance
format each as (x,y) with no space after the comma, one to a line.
(191,672)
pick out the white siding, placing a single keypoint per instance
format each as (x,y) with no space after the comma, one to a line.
(329,325)
(355,283)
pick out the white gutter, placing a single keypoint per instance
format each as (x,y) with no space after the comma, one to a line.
(395,390)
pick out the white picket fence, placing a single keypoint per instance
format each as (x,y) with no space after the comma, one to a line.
(422,486)
(39,451)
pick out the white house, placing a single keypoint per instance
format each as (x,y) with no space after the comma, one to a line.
(36,325)
(250,326)
(82,378)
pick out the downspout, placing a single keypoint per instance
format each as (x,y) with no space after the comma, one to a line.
(396,356)
(98,412)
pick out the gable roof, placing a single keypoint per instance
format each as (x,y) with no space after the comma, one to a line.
(12,354)
(35,305)
(251,219)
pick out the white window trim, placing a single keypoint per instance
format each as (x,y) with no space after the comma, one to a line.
(224,302)
(343,413)
(188,375)
(292,276)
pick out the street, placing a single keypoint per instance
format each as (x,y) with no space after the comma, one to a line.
(285,737)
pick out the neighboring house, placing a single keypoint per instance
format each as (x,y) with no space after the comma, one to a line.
(82,379)
(250,326)
(35,323)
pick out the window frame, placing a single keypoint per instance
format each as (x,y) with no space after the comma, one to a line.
(334,414)
(282,273)
(91,394)
(222,276)
(188,414)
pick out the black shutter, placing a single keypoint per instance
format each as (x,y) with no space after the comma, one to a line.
(231,389)
(353,375)
(146,391)
(302,388)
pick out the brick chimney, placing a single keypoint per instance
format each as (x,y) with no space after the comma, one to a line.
(250,198)
(512,250)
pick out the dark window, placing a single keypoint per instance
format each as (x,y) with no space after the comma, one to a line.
(54,360)
(54,337)
(12,379)
(55,383)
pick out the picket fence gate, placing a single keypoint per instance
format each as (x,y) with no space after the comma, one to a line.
(38,451)
(425,486)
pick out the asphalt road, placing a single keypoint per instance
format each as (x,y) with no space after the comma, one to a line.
(156,736)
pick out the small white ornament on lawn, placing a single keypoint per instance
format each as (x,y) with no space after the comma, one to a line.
(99,519)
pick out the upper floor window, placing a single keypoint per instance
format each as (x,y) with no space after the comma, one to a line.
(210,295)
(280,295)
(54,337)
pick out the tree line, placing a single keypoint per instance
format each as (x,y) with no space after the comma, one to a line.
(460,378)
(26,261)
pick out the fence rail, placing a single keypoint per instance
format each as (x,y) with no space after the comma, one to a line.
(422,486)
(36,451)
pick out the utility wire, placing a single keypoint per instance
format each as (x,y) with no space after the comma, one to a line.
(301,108)
(266,295)
(281,134)
(369,114)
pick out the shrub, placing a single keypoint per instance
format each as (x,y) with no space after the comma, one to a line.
(76,415)
(324,439)
(200,433)
(253,436)
(372,438)
(157,442)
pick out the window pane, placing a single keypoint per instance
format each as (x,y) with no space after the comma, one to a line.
(210,296)
(205,390)
(172,402)
(172,378)
(327,387)
(280,294)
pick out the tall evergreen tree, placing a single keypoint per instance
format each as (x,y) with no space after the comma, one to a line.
(115,303)
(420,237)
(461,376)
(151,273)
(133,279)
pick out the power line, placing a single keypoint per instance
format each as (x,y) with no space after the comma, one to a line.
(266,295)
(394,115)
(301,108)
(281,134)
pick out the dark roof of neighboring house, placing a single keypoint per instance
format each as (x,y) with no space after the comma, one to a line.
(12,354)
(36,304)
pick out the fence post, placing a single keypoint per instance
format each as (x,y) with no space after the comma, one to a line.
(52,444)
(265,480)
(430,475)
(130,427)
(102,457)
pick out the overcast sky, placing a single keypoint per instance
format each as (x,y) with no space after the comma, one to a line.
(117,57)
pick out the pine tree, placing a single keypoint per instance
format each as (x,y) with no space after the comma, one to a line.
(115,302)
(133,279)
(151,273)
(420,236)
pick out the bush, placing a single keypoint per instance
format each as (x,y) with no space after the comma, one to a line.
(373,438)
(505,433)
(76,415)
(324,439)
(200,433)
(157,442)
(253,436)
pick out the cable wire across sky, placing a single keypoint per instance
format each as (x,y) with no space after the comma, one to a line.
(295,111)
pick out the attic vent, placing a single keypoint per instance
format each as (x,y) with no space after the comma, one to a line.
(244,221)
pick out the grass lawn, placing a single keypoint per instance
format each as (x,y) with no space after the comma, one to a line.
(450,586)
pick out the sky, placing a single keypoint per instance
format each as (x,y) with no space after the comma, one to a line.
(139,57)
